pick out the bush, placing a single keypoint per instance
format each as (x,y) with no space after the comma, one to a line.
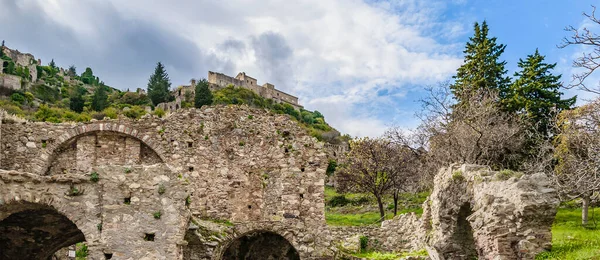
(18,98)
(94,177)
(110,112)
(135,112)
(339,201)
(364,243)
(331,167)
(159,112)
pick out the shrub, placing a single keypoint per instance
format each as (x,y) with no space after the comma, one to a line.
(110,112)
(507,174)
(161,189)
(157,215)
(339,201)
(457,176)
(331,167)
(94,177)
(364,243)
(18,98)
(135,112)
(82,250)
(159,112)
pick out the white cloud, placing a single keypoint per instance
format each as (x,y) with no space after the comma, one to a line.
(335,55)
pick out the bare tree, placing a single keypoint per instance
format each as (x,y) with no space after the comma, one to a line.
(372,166)
(589,61)
(577,173)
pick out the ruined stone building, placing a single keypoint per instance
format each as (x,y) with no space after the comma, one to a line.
(219,80)
(15,82)
(215,183)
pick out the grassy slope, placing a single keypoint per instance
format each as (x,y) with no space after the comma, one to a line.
(570,240)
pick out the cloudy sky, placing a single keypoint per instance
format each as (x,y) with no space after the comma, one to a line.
(363,64)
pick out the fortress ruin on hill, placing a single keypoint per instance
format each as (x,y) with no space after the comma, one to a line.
(219,80)
(214,183)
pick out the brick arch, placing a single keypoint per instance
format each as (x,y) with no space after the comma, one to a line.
(53,150)
(250,228)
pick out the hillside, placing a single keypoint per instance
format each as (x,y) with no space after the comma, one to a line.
(49,93)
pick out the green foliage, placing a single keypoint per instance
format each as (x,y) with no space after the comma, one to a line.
(157,214)
(18,98)
(127,170)
(570,240)
(535,93)
(337,201)
(76,101)
(135,99)
(250,116)
(159,112)
(74,191)
(354,219)
(242,143)
(81,250)
(204,96)
(161,189)
(72,71)
(100,98)
(94,177)
(134,112)
(482,69)
(458,176)
(331,167)
(364,243)
(99,226)
(159,85)
(87,77)
(188,200)
(507,174)
(111,112)
(46,93)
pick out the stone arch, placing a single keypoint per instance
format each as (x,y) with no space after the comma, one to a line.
(259,244)
(54,149)
(35,231)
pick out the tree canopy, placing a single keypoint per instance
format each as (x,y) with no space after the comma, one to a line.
(159,85)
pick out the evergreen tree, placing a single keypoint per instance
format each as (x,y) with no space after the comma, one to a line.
(535,93)
(76,99)
(88,76)
(52,64)
(72,71)
(203,94)
(482,69)
(159,85)
(100,98)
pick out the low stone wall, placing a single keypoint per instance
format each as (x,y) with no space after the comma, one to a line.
(10,81)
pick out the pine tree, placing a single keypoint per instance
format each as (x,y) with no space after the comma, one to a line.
(100,98)
(203,94)
(482,69)
(76,101)
(535,93)
(72,71)
(159,85)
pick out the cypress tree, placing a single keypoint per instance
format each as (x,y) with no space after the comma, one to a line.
(76,101)
(203,95)
(482,69)
(159,85)
(535,93)
(100,98)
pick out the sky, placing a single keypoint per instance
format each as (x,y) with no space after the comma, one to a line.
(363,64)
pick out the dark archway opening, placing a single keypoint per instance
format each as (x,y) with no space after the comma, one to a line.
(36,232)
(463,235)
(261,245)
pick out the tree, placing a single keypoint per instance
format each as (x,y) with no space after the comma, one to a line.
(589,61)
(100,98)
(87,77)
(76,101)
(371,166)
(577,173)
(52,64)
(72,71)
(482,68)
(535,93)
(159,85)
(203,95)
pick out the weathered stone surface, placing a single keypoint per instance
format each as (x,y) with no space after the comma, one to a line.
(205,184)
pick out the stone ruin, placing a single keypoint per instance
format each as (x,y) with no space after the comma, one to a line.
(231,182)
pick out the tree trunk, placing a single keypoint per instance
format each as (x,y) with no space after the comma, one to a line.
(381,211)
(395,202)
(585,201)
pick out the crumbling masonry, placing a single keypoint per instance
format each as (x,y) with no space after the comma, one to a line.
(230,182)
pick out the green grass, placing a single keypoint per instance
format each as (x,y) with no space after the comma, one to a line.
(571,241)
(362,209)
(390,256)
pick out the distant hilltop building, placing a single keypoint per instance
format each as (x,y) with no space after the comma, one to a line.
(218,81)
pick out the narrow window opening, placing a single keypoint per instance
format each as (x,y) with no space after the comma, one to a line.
(302,169)
(149,237)
(191,168)
(190,144)
(301,195)
(127,200)
(108,255)
(249,206)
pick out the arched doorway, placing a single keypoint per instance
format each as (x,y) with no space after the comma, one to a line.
(463,235)
(260,245)
(33,231)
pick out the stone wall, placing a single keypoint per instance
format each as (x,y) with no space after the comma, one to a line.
(10,81)
(263,173)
